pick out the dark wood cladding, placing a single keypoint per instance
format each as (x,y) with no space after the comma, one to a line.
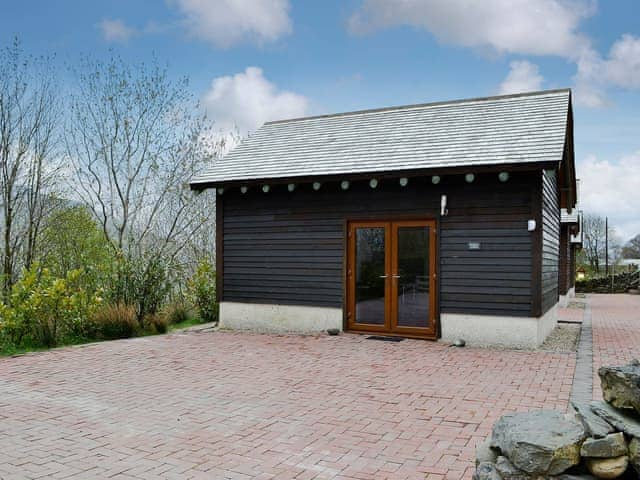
(289,247)
(550,239)
(564,275)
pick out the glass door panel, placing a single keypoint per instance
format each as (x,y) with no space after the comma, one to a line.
(370,275)
(412,278)
(391,277)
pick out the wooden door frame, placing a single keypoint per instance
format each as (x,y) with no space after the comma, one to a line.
(391,226)
(427,332)
(351,263)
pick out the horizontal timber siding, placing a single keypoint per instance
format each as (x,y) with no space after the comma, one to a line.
(550,240)
(565,260)
(288,247)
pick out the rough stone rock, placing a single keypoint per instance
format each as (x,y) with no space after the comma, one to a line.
(508,471)
(486,471)
(608,467)
(612,445)
(634,454)
(545,442)
(621,385)
(622,421)
(594,425)
(575,477)
(484,453)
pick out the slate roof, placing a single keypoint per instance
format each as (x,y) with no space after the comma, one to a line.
(523,128)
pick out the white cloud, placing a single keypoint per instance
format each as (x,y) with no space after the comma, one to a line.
(621,68)
(535,27)
(115,30)
(523,77)
(227,22)
(612,189)
(248,99)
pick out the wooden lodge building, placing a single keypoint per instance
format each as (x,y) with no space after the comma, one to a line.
(443,220)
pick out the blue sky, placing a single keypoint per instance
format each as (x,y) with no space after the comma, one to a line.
(255,60)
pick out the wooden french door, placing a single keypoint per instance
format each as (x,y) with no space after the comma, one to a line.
(391,277)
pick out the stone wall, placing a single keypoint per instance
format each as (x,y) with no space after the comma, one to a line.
(595,440)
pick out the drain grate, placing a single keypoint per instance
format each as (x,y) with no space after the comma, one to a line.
(385,339)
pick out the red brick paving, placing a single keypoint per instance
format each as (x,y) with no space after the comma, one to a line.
(241,406)
(572,314)
(616,332)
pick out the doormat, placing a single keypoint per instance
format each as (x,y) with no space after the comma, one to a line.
(385,339)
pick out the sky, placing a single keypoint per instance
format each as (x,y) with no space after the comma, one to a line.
(250,61)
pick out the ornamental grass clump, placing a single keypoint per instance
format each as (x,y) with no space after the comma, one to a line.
(115,321)
(176,313)
(156,323)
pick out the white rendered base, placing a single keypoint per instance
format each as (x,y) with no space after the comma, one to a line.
(521,332)
(279,318)
(565,299)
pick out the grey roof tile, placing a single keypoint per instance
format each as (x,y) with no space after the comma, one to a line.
(478,132)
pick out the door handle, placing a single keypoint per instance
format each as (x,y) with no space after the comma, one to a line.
(382,276)
(396,276)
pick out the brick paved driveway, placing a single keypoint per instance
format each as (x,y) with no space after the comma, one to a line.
(230,405)
(616,332)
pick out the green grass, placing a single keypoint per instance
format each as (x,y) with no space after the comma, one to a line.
(187,323)
(10,350)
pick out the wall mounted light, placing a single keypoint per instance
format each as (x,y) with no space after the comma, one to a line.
(469,177)
(316,186)
(531,225)
(373,183)
(266,188)
(443,205)
(435,179)
(344,185)
(404,181)
(220,191)
(503,176)
(243,189)
(291,187)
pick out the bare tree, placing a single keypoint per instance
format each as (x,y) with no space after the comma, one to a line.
(29,113)
(135,139)
(594,232)
(594,248)
(632,248)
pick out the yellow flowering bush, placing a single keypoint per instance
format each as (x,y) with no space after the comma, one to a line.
(44,311)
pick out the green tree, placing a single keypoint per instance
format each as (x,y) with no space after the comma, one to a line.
(71,240)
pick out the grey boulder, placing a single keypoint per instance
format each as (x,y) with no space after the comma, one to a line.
(594,425)
(613,445)
(576,477)
(545,442)
(508,471)
(621,385)
(486,471)
(634,454)
(619,419)
(484,453)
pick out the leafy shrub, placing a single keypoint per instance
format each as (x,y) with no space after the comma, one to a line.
(176,313)
(115,321)
(156,323)
(141,281)
(202,287)
(43,310)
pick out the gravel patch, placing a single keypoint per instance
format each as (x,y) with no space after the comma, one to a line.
(564,338)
